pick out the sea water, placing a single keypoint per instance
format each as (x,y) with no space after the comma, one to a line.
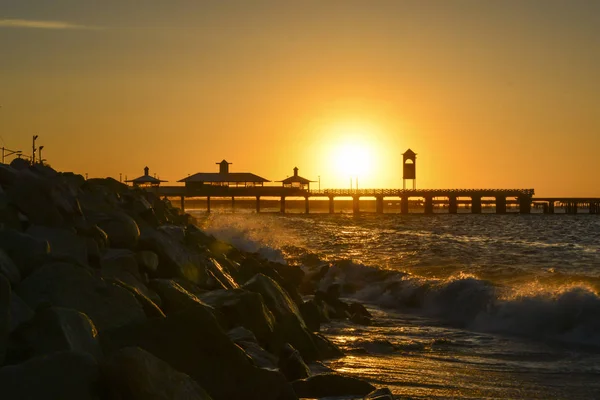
(465,306)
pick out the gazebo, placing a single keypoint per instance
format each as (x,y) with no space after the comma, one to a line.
(296,181)
(223,178)
(146,179)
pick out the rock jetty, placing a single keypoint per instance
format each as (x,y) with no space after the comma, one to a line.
(109,292)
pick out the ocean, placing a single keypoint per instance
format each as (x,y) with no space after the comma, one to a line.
(466,306)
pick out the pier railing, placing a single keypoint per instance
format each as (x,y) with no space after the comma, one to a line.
(424,192)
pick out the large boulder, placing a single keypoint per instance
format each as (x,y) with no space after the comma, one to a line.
(64,243)
(135,374)
(58,376)
(9,214)
(65,285)
(147,261)
(276,298)
(8,175)
(27,252)
(174,297)
(192,342)
(243,308)
(220,274)
(9,269)
(34,196)
(291,364)
(122,230)
(58,329)
(247,341)
(329,385)
(4,316)
(380,394)
(20,312)
(175,260)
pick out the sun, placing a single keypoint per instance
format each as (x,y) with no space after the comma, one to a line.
(353,159)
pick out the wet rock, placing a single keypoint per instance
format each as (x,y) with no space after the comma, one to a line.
(311,314)
(335,308)
(312,278)
(325,347)
(64,243)
(27,252)
(247,341)
(9,214)
(361,320)
(151,309)
(58,376)
(8,175)
(66,285)
(4,316)
(291,364)
(175,260)
(19,164)
(122,231)
(243,308)
(121,260)
(9,269)
(55,329)
(147,261)
(174,297)
(192,342)
(380,394)
(221,274)
(325,385)
(275,297)
(133,373)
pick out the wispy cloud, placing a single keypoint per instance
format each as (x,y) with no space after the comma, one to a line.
(35,24)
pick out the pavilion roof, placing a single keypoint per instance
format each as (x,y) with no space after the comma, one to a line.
(296,178)
(224,177)
(145,179)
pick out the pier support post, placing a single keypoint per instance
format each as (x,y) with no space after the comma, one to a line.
(208,204)
(257,204)
(404,205)
(355,204)
(331,208)
(282,205)
(476,204)
(452,205)
(306,205)
(500,205)
(232,204)
(182,201)
(428,205)
(524,205)
(379,205)
(550,207)
(546,208)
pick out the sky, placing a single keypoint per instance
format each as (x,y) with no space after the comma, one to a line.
(489,94)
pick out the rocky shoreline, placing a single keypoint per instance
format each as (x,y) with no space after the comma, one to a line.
(109,292)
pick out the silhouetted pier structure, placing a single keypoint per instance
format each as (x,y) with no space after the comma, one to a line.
(409,199)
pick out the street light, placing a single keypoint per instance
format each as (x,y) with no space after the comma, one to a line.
(8,152)
(40,153)
(319,183)
(34,149)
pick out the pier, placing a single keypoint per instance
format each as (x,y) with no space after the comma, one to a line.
(425,199)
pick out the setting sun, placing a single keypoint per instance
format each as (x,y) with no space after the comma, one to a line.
(353,159)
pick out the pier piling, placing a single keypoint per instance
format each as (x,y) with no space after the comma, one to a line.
(476,204)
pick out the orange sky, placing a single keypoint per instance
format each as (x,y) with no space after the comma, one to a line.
(489,94)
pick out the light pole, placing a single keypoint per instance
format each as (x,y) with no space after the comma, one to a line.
(319,183)
(40,154)
(34,149)
(8,152)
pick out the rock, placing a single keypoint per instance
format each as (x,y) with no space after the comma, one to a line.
(151,309)
(243,308)
(175,260)
(9,214)
(64,243)
(311,314)
(312,279)
(325,348)
(121,260)
(4,316)
(20,312)
(8,175)
(380,394)
(58,376)
(34,197)
(247,341)
(357,308)
(276,298)
(133,373)
(9,269)
(174,297)
(175,232)
(326,385)
(27,252)
(66,285)
(192,342)
(290,330)
(291,364)
(55,329)
(19,164)
(361,320)
(121,229)
(147,261)
(336,308)
(221,274)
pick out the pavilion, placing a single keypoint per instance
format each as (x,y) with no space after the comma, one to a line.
(223,178)
(296,181)
(145,180)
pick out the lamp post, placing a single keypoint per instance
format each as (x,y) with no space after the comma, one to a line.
(8,152)
(34,149)
(40,154)
(319,183)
